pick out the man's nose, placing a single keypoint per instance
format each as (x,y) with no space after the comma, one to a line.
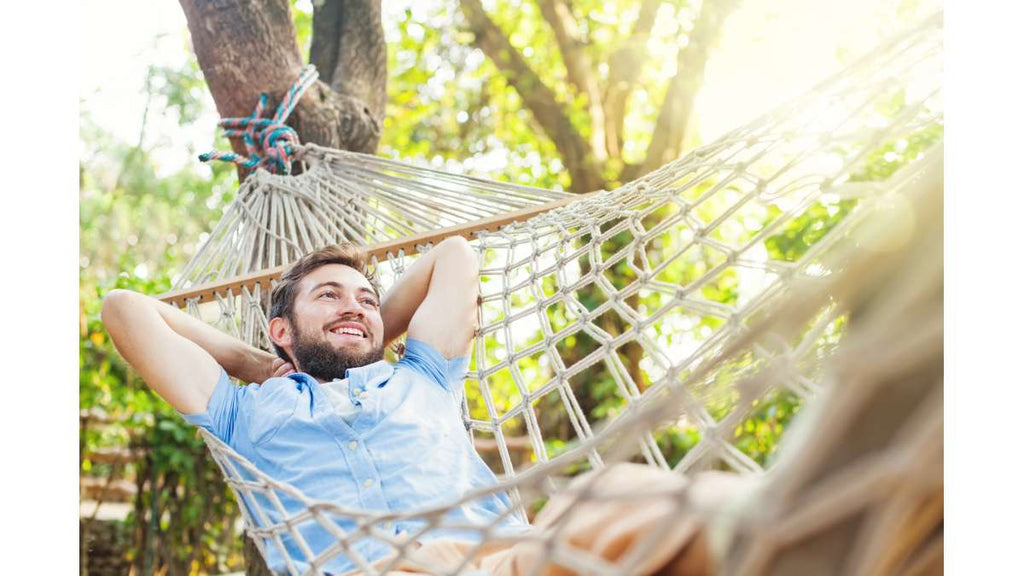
(349,305)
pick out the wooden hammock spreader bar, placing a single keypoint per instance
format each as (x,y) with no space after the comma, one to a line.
(206,292)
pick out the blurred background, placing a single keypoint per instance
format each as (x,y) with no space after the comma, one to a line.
(152,502)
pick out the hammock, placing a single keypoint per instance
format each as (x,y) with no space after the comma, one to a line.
(794,258)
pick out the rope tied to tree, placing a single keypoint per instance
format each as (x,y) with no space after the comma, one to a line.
(270,143)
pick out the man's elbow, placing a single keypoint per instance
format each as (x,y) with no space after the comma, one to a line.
(458,249)
(115,303)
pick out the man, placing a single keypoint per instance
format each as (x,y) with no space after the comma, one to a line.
(345,426)
(330,417)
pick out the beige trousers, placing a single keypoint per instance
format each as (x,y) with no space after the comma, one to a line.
(602,526)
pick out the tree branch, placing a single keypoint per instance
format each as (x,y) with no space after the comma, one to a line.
(360,63)
(624,67)
(323,49)
(578,66)
(673,119)
(539,99)
(243,48)
(349,51)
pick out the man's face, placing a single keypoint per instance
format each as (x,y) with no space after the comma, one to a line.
(336,323)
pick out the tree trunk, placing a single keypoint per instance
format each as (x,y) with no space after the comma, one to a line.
(247,47)
(254,563)
(667,141)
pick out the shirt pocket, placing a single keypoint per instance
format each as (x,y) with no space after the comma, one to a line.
(272,408)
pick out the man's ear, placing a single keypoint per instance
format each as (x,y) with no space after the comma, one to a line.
(281,333)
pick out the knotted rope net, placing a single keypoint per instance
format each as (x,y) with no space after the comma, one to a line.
(792,259)
(343,196)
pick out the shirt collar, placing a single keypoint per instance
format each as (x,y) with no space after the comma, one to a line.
(374,374)
(303,378)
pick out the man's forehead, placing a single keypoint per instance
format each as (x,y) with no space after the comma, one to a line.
(346,276)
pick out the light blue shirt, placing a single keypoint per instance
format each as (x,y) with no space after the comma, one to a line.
(407,449)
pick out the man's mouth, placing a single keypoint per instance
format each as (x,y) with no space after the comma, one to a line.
(349,330)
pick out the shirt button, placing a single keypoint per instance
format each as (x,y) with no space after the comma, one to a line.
(368,482)
(352,445)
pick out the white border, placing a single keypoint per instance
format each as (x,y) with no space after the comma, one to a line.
(39,290)
(984,221)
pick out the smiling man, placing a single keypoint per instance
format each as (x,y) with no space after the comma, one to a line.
(344,425)
(330,417)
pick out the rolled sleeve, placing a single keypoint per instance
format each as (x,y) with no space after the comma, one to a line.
(222,410)
(425,358)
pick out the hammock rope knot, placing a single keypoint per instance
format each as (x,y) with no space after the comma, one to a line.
(271,144)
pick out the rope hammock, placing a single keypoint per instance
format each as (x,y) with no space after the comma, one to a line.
(797,257)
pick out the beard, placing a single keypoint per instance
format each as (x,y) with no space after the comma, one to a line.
(316,357)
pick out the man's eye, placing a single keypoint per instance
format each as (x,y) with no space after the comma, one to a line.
(329,295)
(370,302)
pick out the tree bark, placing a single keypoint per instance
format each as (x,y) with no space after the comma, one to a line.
(247,47)
(254,563)
(323,51)
(349,50)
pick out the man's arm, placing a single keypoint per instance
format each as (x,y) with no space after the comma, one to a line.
(177,355)
(436,299)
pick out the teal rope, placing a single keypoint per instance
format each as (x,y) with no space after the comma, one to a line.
(271,144)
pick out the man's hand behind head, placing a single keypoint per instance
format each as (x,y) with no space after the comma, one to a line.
(281,368)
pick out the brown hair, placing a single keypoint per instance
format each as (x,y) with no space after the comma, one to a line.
(282,299)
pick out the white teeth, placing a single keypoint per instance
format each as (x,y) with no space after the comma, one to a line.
(352,331)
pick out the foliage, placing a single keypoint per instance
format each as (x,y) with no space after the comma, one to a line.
(451,105)
(183,514)
(448,105)
(138,225)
